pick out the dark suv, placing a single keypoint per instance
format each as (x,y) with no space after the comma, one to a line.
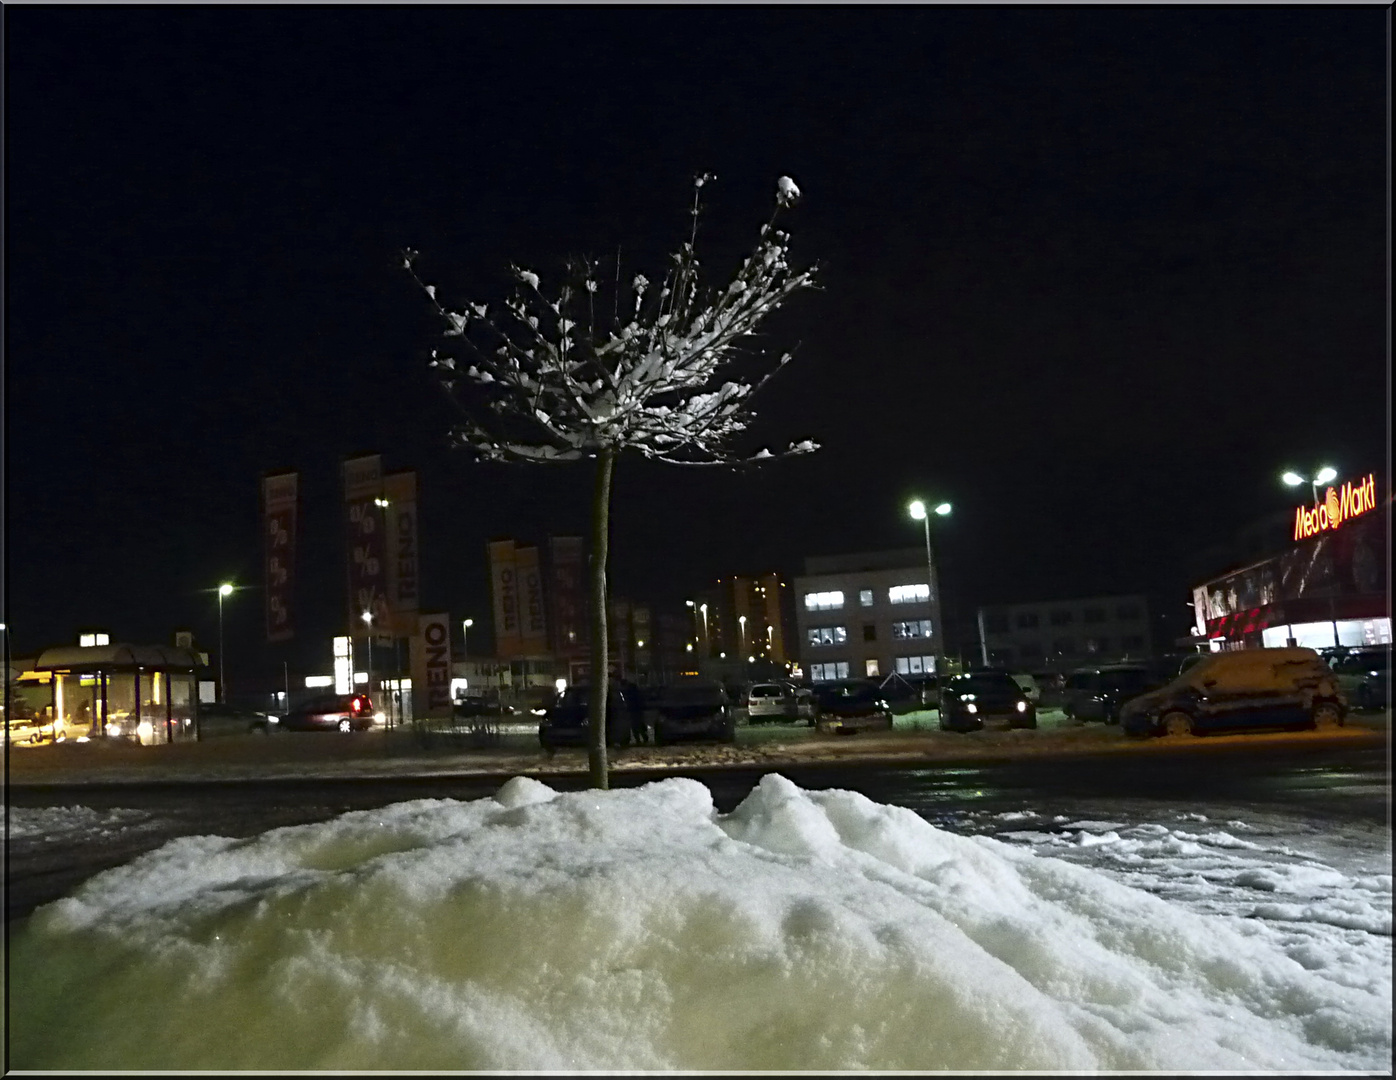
(1097,693)
(968,702)
(693,710)
(567,720)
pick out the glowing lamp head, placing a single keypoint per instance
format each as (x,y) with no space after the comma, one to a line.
(917,509)
(1326,474)
(225,589)
(943,509)
(1293,479)
(367,616)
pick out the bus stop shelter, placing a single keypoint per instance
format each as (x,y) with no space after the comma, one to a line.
(145,693)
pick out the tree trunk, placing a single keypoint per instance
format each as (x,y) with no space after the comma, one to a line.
(600,642)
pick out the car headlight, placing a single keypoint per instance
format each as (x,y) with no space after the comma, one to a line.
(273,719)
(971,707)
(1022,706)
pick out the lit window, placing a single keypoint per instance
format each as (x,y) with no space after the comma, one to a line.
(915,665)
(827,635)
(870,666)
(916,628)
(909,594)
(865,597)
(823,601)
(837,669)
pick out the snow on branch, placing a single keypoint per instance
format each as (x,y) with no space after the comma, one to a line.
(551,374)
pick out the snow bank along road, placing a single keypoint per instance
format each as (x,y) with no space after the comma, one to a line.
(401,753)
(655,927)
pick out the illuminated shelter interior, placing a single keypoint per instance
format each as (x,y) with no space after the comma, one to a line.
(147,693)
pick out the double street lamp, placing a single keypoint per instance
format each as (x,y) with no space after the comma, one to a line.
(919,512)
(1325,475)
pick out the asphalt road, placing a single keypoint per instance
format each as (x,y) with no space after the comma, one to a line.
(1297,781)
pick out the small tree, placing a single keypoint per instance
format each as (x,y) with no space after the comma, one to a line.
(563,379)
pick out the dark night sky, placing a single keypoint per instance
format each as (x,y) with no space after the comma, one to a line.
(1095,275)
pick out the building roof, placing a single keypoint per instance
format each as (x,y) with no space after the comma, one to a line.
(117,657)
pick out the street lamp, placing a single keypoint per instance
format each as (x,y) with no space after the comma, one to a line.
(707,648)
(741,634)
(1323,476)
(465,637)
(223,590)
(367,617)
(918,512)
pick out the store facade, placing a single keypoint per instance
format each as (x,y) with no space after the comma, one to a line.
(1328,589)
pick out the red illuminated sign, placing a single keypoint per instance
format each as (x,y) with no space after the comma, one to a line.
(1337,507)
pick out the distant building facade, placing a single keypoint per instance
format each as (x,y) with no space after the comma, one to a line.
(742,619)
(1060,634)
(867,615)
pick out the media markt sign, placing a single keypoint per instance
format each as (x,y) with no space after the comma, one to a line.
(1337,506)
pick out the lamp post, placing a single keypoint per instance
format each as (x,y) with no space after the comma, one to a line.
(1323,476)
(707,648)
(918,511)
(465,637)
(367,617)
(741,634)
(223,590)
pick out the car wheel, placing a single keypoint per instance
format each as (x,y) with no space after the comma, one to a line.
(1177,724)
(345,725)
(1327,716)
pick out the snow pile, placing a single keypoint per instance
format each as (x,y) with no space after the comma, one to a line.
(640,929)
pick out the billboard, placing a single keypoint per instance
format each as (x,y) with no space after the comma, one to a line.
(504,589)
(567,593)
(367,556)
(431,666)
(279,493)
(532,622)
(400,489)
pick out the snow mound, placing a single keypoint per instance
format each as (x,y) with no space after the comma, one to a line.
(640,929)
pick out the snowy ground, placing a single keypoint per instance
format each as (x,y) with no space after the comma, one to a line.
(641,929)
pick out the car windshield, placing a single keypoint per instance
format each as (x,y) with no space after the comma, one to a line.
(766,691)
(983,682)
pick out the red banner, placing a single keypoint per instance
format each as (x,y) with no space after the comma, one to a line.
(368,575)
(504,587)
(279,494)
(568,596)
(403,580)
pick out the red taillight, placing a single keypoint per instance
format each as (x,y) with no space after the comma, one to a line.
(357,704)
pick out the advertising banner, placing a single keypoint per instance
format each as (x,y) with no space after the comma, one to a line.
(279,493)
(534,625)
(568,595)
(400,489)
(368,576)
(431,666)
(504,587)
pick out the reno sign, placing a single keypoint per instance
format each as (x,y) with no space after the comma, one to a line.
(1337,506)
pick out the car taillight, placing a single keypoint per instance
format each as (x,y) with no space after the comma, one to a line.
(357,704)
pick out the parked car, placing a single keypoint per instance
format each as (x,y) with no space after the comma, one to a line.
(769,701)
(1097,693)
(1365,677)
(968,702)
(693,710)
(567,721)
(217,719)
(26,729)
(1027,684)
(331,712)
(1246,688)
(851,705)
